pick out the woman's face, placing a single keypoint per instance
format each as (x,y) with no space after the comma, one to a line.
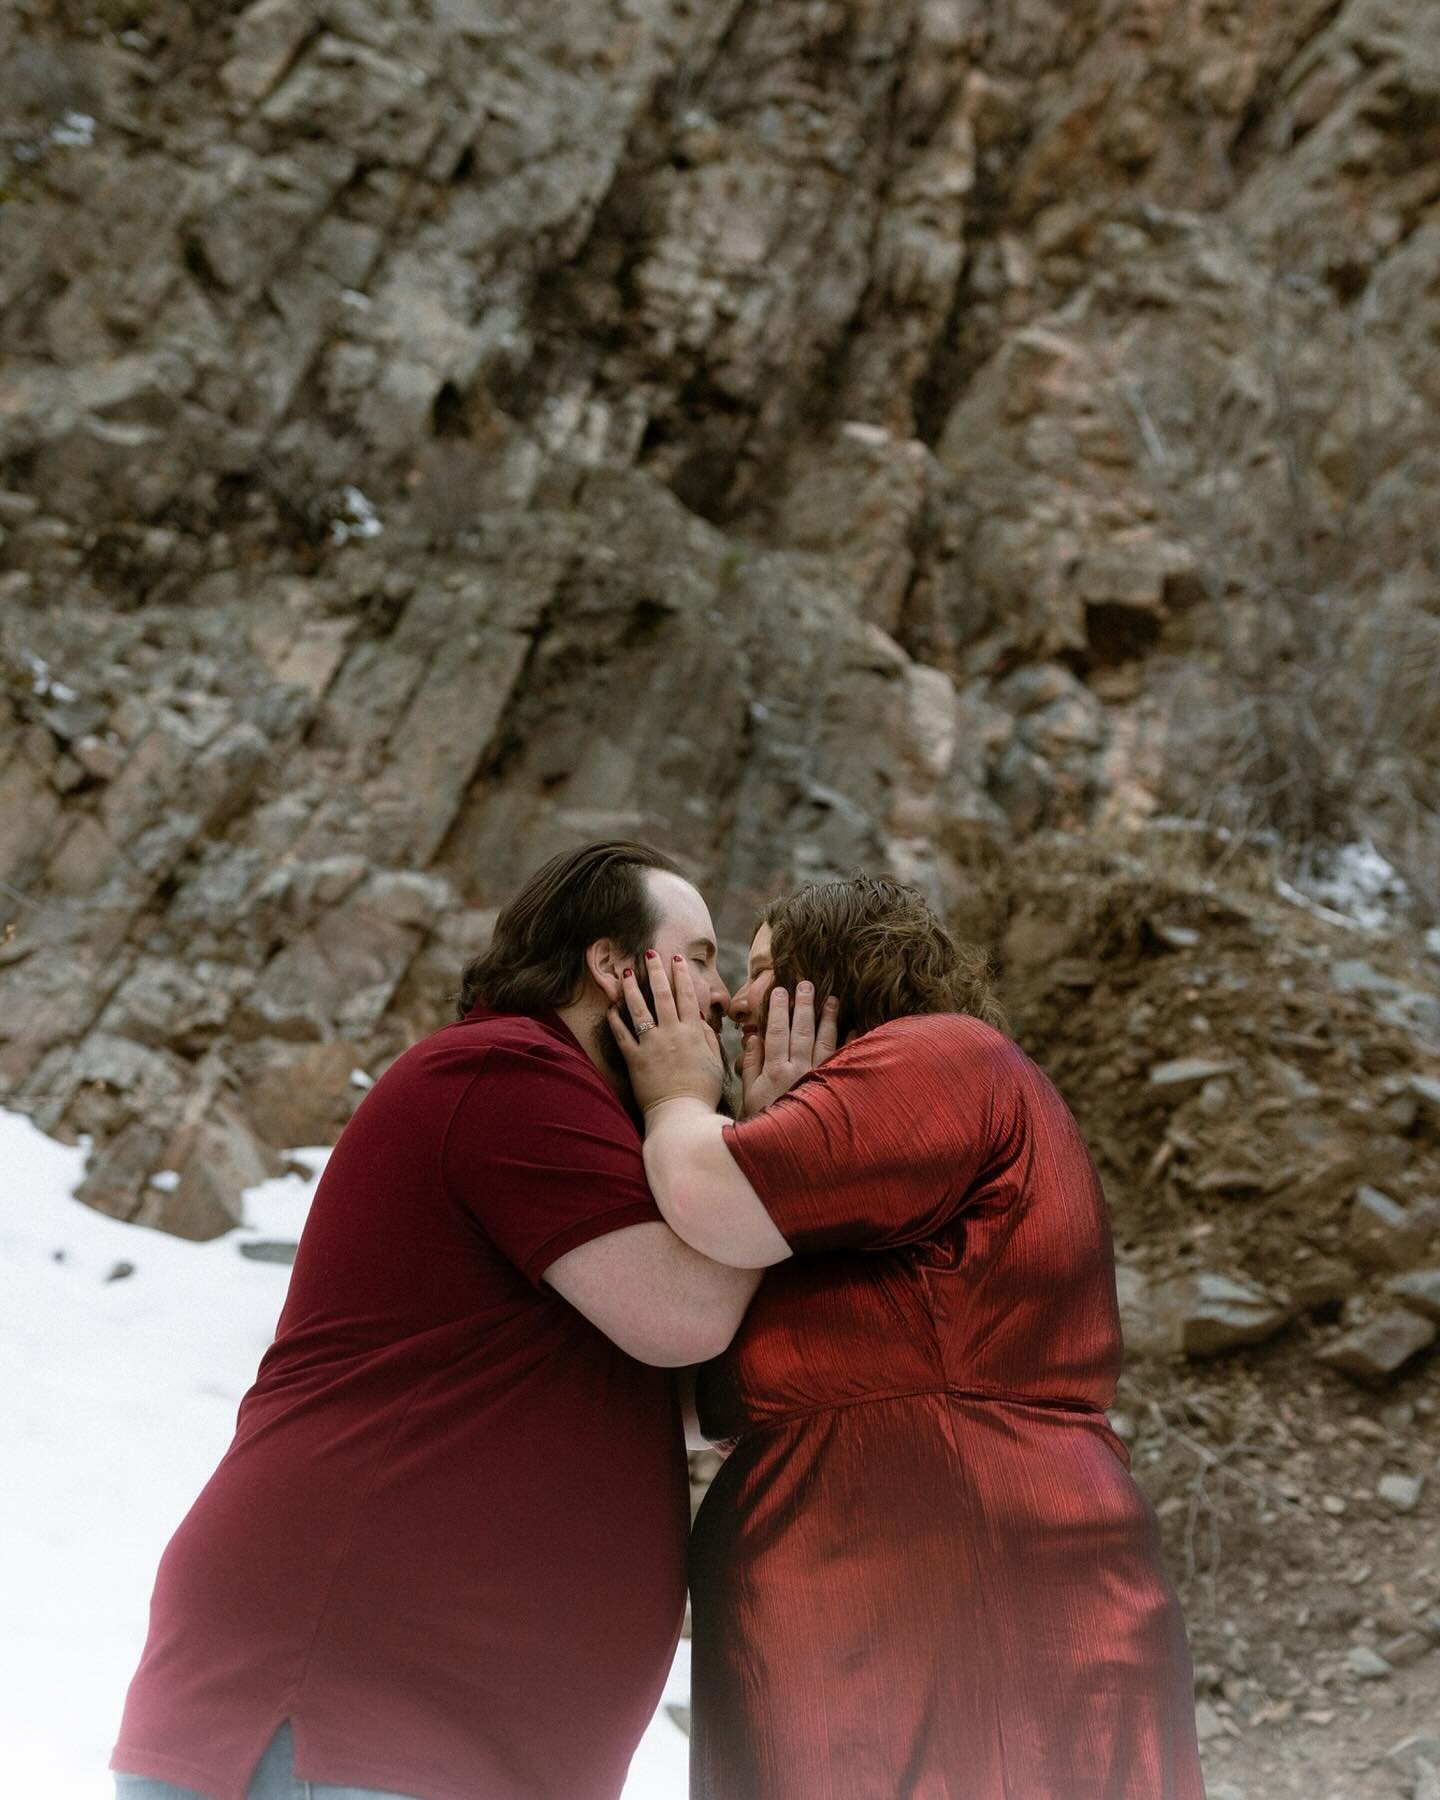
(747,1006)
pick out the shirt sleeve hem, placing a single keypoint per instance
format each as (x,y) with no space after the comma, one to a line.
(585,1231)
(760,1174)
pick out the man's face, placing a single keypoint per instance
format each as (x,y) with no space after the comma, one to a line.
(683,928)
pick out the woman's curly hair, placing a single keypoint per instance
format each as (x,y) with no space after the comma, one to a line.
(881,949)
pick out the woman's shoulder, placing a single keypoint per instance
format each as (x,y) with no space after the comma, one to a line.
(949,1040)
(950,1031)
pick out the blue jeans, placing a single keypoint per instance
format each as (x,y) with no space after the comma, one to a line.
(274,1779)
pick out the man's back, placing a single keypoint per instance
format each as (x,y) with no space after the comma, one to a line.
(448,1540)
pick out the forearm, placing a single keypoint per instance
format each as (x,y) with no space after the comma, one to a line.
(701,1190)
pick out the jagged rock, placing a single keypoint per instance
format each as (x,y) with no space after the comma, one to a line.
(1206,1313)
(1381,1346)
(1425,1091)
(266,38)
(1419,1289)
(297,1094)
(1386,1235)
(1406,1755)
(1367,1664)
(1322,1281)
(1405,1649)
(219,1157)
(1400,1492)
(1143,1325)
(651,343)
(1353,976)
(268,1250)
(99,757)
(1188,1072)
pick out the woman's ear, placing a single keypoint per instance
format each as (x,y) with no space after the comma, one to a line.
(603,964)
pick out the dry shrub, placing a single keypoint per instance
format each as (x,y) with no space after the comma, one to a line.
(1312,715)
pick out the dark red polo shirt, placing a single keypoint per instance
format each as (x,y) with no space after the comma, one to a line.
(448,1540)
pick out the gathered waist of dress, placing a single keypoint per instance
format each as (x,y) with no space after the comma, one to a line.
(1045,1403)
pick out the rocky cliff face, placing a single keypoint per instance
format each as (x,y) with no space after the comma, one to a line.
(807,433)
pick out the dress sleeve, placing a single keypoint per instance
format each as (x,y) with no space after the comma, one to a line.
(882,1145)
(543,1157)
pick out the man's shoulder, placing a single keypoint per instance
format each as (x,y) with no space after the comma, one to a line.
(529,1033)
(517,1042)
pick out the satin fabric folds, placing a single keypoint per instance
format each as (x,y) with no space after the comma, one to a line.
(924,1571)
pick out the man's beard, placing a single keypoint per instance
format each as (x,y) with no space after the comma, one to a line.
(615,1061)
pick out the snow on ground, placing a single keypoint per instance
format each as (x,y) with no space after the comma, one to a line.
(118,1397)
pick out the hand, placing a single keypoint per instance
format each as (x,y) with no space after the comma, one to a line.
(673,1055)
(789,1049)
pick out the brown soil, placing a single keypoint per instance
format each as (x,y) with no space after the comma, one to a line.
(1262,1464)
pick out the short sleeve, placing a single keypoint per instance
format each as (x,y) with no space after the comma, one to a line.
(883,1144)
(543,1156)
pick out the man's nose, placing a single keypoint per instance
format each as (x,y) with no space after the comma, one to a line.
(720,997)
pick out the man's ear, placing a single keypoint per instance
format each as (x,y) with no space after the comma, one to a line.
(604,961)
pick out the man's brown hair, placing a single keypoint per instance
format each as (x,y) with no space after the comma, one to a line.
(881,949)
(536,958)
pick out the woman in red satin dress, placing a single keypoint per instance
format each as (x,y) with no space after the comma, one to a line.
(924,1571)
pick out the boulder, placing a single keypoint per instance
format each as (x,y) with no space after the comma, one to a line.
(1207,1313)
(1401,1493)
(222,1158)
(1380,1346)
(1419,1289)
(1385,1235)
(269,1250)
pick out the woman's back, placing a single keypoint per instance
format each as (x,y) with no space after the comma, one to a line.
(924,1571)
(976,1256)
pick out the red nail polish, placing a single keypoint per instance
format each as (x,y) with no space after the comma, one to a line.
(629,971)
(652,954)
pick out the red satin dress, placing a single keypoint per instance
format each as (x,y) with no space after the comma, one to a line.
(924,1572)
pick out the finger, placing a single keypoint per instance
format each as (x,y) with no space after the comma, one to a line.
(687,1001)
(827,1037)
(660,995)
(777,1028)
(802,1024)
(752,1063)
(634,999)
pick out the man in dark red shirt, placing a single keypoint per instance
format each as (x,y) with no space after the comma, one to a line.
(444,1556)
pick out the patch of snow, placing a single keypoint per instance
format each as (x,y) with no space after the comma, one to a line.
(359,1079)
(42,682)
(358,518)
(1355,885)
(119,1398)
(166,1180)
(76,131)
